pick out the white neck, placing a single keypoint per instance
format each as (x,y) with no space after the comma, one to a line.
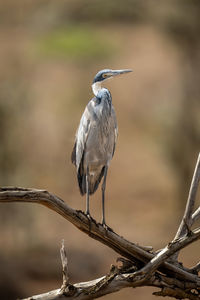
(96,87)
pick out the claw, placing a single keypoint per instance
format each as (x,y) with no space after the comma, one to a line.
(106,227)
(88,216)
(89,219)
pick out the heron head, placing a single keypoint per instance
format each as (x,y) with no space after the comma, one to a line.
(108,73)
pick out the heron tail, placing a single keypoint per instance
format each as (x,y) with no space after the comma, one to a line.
(94,181)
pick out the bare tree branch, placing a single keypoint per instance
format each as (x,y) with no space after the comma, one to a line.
(145,267)
(77,218)
(91,289)
(169,250)
(95,230)
(64,266)
(116,281)
(196,215)
(188,218)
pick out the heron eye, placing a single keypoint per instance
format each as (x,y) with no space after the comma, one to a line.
(105,75)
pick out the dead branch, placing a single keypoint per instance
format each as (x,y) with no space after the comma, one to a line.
(64,267)
(188,218)
(95,230)
(133,252)
(112,283)
(140,265)
(119,278)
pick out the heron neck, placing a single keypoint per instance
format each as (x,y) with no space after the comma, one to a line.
(96,87)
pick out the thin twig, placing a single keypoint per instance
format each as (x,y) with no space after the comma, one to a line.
(65,270)
(187,219)
(196,215)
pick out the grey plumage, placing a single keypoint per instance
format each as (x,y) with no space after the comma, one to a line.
(96,139)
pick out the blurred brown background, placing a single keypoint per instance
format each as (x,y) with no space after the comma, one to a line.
(49,54)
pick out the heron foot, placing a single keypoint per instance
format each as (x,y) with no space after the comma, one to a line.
(88,216)
(89,219)
(106,227)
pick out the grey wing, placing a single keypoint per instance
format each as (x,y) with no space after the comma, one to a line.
(115,128)
(81,138)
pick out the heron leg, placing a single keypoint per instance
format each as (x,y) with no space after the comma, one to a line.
(103,187)
(87,193)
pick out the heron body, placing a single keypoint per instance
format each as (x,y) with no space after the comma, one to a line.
(96,139)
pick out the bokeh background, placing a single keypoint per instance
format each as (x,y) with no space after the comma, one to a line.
(49,54)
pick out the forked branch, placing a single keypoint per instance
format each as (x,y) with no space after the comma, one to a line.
(188,217)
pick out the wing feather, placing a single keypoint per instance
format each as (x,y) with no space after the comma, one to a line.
(81,138)
(115,129)
(79,148)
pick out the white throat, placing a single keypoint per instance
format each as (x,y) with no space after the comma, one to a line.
(96,87)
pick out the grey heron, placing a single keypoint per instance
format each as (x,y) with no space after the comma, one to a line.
(95,139)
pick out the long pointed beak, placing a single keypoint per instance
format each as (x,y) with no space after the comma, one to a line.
(119,72)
